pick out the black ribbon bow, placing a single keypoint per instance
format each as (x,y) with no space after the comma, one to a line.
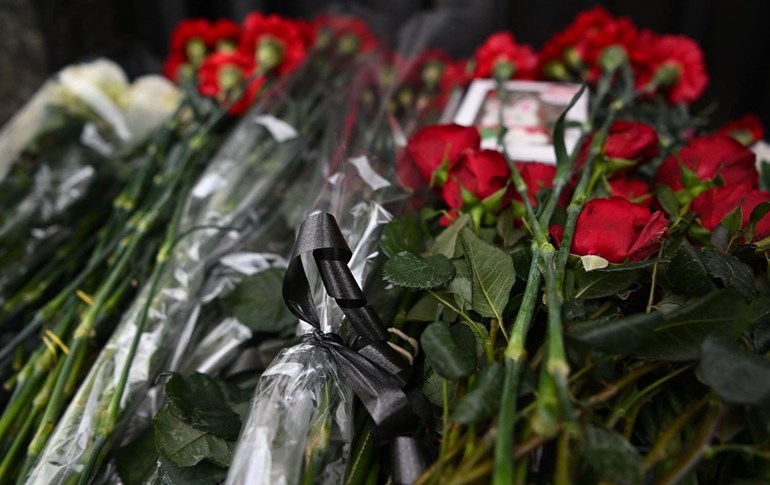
(376,373)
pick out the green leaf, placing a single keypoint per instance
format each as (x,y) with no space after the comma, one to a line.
(614,458)
(757,214)
(731,271)
(451,352)
(760,310)
(433,388)
(680,335)
(206,403)
(619,335)
(608,281)
(402,234)
(483,401)
(446,241)
(560,147)
(257,302)
(686,272)
(186,446)
(667,200)
(137,462)
(676,336)
(724,232)
(424,310)
(492,275)
(737,376)
(204,473)
(410,271)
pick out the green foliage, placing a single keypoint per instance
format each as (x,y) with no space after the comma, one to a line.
(257,302)
(410,271)
(491,273)
(451,352)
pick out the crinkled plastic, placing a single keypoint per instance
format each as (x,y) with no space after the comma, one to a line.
(300,421)
(234,199)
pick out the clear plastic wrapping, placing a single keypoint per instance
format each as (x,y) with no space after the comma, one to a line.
(302,410)
(233,199)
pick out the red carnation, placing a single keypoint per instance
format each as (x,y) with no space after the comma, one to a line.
(501,56)
(581,45)
(276,44)
(633,190)
(174,66)
(351,35)
(223,34)
(672,64)
(186,32)
(747,129)
(437,145)
(222,76)
(709,157)
(714,204)
(618,230)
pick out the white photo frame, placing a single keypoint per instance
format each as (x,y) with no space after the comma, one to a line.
(531,108)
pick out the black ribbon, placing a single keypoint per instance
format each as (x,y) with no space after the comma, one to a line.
(375,371)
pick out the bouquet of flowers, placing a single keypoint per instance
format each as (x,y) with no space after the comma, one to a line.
(600,319)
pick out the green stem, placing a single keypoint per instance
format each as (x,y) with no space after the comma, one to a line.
(515,354)
(698,447)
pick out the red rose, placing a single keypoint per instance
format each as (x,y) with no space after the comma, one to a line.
(747,129)
(714,204)
(537,176)
(628,144)
(222,76)
(481,173)
(501,56)
(672,64)
(631,141)
(618,230)
(434,145)
(633,190)
(581,45)
(275,43)
(709,157)
(351,35)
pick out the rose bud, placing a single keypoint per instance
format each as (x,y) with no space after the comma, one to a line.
(435,148)
(536,176)
(702,161)
(715,203)
(618,230)
(478,182)
(628,144)
(633,190)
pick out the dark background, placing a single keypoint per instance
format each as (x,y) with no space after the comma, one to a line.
(37,37)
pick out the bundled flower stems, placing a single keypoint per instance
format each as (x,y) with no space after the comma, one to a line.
(477,316)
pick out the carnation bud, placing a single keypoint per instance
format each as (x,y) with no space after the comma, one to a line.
(196,51)
(406,96)
(323,38)
(557,70)
(612,58)
(229,78)
(431,73)
(573,58)
(269,53)
(503,70)
(667,75)
(348,44)
(226,46)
